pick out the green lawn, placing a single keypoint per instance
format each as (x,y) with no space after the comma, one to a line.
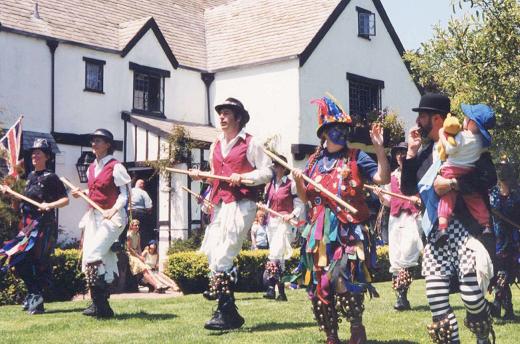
(180,320)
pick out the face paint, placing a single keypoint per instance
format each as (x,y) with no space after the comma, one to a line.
(338,135)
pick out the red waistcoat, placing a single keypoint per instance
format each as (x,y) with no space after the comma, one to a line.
(396,204)
(102,189)
(235,162)
(280,200)
(344,181)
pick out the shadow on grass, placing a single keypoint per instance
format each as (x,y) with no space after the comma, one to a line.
(70,310)
(271,326)
(144,316)
(391,342)
(426,308)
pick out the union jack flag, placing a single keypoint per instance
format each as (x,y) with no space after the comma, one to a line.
(10,146)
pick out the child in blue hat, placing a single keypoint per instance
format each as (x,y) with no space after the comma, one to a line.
(461,158)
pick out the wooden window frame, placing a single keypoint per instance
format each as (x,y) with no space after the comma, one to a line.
(99,63)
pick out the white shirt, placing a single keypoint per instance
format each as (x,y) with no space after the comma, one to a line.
(255,155)
(121,179)
(140,199)
(297,202)
(466,152)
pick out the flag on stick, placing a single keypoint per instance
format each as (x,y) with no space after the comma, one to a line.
(10,146)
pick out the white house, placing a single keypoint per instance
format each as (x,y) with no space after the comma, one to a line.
(137,67)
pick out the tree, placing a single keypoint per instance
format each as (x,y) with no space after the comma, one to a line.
(476,59)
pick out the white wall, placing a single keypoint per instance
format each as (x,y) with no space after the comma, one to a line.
(342,51)
(25,78)
(270,94)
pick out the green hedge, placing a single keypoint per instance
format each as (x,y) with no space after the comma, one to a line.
(190,269)
(67,280)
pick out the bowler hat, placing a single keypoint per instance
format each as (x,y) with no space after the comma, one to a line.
(41,144)
(434,102)
(107,135)
(483,116)
(237,107)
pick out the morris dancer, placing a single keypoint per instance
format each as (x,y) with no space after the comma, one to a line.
(462,258)
(280,196)
(108,187)
(404,240)
(236,155)
(337,253)
(505,200)
(30,251)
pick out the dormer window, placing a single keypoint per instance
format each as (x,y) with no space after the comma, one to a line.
(148,97)
(366,23)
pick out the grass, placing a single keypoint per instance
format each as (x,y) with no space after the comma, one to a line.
(180,320)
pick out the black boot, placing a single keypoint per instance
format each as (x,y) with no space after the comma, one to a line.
(507,303)
(226,317)
(271,277)
(91,310)
(281,290)
(104,311)
(99,293)
(402,302)
(496,307)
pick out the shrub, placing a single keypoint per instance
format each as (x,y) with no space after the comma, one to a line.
(190,269)
(67,280)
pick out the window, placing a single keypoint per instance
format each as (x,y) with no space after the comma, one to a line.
(93,75)
(148,95)
(366,23)
(364,94)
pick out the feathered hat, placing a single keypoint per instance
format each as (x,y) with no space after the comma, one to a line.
(329,112)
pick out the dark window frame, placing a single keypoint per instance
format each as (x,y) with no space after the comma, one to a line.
(149,72)
(373,86)
(99,63)
(361,12)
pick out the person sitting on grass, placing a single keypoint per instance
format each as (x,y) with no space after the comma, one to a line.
(151,258)
(137,261)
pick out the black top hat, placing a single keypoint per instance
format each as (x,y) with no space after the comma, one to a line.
(104,134)
(235,105)
(434,102)
(41,144)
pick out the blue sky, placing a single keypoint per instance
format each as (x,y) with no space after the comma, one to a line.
(413,20)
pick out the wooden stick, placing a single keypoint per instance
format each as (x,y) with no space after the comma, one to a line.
(503,218)
(198,196)
(22,197)
(209,175)
(393,194)
(275,213)
(87,199)
(313,183)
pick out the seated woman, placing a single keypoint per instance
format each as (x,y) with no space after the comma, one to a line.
(151,258)
(137,261)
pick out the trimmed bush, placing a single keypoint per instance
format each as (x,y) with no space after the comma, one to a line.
(67,280)
(190,269)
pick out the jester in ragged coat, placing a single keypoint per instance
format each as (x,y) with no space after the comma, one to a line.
(338,251)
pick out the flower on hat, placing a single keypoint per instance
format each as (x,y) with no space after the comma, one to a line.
(329,113)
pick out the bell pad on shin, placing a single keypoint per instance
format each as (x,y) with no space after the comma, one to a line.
(220,284)
(481,325)
(272,270)
(403,280)
(326,316)
(441,330)
(351,306)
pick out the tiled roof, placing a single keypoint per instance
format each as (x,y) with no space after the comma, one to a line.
(250,31)
(203,34)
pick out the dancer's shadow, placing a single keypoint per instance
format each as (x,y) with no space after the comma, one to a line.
(422,308)
(273,326)
(270,326)
(395,341)
(144,316)
(71,310)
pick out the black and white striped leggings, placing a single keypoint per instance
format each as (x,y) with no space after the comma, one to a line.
(438,292)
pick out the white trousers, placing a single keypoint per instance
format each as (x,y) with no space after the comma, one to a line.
(280,236)
(404,241)
(226,233)
(98,236)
